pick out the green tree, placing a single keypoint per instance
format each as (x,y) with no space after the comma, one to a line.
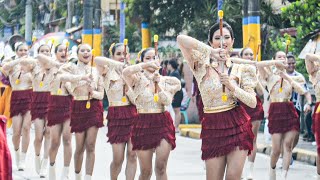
(305,16)
(195,17)
(13,12)
(269,29)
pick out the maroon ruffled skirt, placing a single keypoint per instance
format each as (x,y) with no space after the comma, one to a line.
(39,105)
(199,104)
(83,118)
(257,113)
(283,118)
(150,129)
(224,132)
(59,109)
(20,102)
(316,126)
(120,119)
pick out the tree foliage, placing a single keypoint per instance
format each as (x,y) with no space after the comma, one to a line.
(196,17)
(175,16)
(11,16)
(305,15)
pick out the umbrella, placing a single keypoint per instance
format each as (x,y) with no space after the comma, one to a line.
(313,46)
(58,38)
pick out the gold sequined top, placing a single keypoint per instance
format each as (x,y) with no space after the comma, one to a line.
(41,76)
(273,80)
(57,87)
(79,89)
(243,76)
(19,80)
(112,78)
(141,92)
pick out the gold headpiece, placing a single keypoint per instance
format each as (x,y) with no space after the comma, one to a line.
(111,47)
(139,54)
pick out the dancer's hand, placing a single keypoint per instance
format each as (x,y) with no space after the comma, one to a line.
(218,54)
(150,66)
(156,78)
(225,80)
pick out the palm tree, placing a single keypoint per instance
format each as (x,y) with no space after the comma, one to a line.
(270,27)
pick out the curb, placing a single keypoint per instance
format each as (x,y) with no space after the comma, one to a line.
(190,133)
(298,154)
(189,126)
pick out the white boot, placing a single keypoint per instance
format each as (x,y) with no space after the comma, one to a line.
(43,169)
(65,173)
(78,176)
(242,176)
(87,177)
(37,163)
(250,171)
(204,165)
(52,172)
(22,161)
(17,155)
(284,175)
(272,174)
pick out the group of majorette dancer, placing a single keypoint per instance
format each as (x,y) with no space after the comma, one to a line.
(63,98)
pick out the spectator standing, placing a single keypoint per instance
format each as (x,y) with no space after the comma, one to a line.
(177,99)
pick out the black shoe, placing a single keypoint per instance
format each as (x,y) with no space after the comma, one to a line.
(305,136)
(311,139)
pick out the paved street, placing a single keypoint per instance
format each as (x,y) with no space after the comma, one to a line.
(184,162)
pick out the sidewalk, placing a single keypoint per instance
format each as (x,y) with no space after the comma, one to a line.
(304,151)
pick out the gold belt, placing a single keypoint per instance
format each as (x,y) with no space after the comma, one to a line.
(40,91)
(81,98)
(18,89)
(150,111)
(280,100)
(118,103)
(56,94)
(219,108)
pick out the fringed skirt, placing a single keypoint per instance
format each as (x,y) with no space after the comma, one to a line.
(257,113)
(224,132)
(199,104)
(59,109)
(83,118)
(316,126)
(20,102)
(283,118)
(39,105)
(120,119)
(150,129)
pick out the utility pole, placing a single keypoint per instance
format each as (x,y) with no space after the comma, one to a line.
(70,14)
(28,24)
(245,35)
(116,12)
(122,21)
(254,25)
(87,22)
(105,12)
(97,28)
